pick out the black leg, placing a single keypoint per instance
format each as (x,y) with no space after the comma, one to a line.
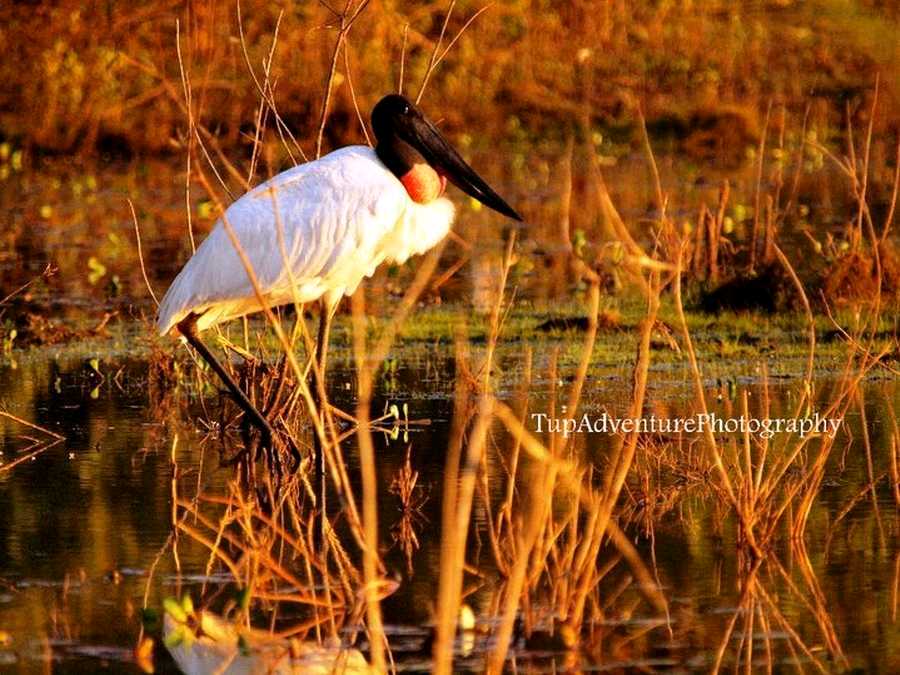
(325,316)
(188,328)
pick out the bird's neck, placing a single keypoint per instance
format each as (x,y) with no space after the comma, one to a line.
(423,184)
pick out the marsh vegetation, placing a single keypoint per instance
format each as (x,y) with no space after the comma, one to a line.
(708,231)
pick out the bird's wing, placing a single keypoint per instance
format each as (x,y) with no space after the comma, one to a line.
(306,231)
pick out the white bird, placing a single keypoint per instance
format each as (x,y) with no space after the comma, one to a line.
(315,231)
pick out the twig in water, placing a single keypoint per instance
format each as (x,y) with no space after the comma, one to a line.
(32,425)
(30,455)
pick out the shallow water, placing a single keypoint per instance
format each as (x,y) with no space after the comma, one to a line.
(85,521)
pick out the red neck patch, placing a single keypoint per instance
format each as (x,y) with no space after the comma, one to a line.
(423,184)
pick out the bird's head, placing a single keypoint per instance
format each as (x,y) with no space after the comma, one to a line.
(413,149)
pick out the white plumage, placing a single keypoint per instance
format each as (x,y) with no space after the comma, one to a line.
(341,216)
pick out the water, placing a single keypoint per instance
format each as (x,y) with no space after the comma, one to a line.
(86,520)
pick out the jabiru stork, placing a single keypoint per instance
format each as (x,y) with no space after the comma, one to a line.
(330,223)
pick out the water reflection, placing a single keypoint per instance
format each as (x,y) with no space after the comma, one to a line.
(85,522)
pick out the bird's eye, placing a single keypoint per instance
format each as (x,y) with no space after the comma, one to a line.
(406,110)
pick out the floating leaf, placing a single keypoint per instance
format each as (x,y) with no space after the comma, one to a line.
(97,270)
(174,609)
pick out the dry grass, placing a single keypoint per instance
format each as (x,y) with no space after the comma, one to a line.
(106,77)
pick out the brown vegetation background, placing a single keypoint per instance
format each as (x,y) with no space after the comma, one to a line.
(759,114)
(103,76)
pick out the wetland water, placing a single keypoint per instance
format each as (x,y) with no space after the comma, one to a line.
(85,521)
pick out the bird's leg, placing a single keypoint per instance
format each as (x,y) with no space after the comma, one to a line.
(188,328)
(325,318)
(326,314)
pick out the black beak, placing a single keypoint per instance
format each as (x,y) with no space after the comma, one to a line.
(443,157)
